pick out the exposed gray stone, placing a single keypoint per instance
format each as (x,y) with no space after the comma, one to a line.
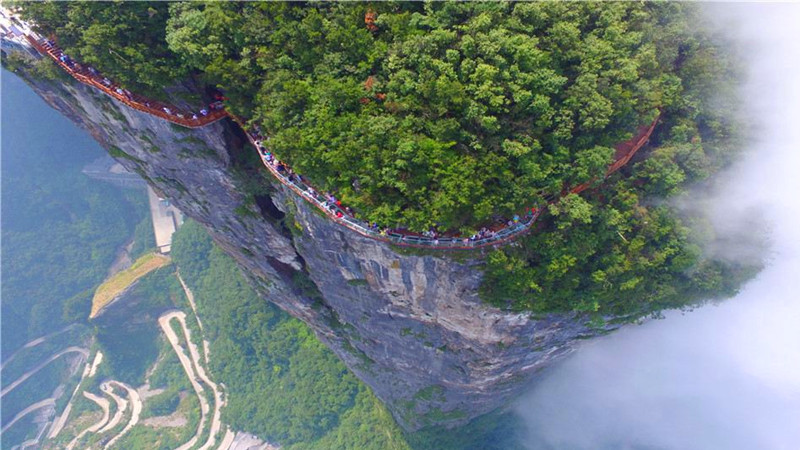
(410,326)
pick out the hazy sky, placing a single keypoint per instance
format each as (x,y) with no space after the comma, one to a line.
(727,376)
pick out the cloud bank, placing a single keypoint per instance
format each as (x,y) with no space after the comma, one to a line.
(722,377)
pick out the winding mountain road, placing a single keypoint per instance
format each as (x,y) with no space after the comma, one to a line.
(88,370)
(28,374)
(227,440)
(58,424)
(98,358)
(105,406)
(122,406)
(136,411)
(216,420)
(163,321)
(48,402)
(34,343)
(190,297)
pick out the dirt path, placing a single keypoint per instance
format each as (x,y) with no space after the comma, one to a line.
(98,358)
(136,411)
(31,372)
(190,297)
(48,402)
(105,406)
(163,321)
(227,440)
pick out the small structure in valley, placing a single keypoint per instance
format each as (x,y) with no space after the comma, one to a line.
(166,220)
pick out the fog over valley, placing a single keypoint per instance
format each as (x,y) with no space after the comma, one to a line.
(725,376)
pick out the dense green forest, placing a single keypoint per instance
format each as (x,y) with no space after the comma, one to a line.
(623,250)
(60,230)
(452,115)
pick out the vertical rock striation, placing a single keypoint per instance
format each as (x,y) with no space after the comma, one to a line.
(410,325)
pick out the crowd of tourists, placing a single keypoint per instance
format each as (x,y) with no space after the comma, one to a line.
(328,201)
(335,207)
(109,86)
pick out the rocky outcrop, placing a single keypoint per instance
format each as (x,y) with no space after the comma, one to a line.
(410,325)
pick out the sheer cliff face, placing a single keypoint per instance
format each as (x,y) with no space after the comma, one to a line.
(411,326)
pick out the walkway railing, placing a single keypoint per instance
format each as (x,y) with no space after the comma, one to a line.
(624,153)
(296,183)
(88,76)
(342,216)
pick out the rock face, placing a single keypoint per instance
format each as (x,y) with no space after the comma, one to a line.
(409,325)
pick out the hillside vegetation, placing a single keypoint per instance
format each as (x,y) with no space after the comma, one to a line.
(454,115)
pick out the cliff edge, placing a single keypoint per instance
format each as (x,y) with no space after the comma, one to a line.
(410,325)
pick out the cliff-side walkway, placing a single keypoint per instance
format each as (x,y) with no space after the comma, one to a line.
(88,76)
(489,236)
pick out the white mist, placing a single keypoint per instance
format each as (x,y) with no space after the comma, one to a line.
(722,377)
